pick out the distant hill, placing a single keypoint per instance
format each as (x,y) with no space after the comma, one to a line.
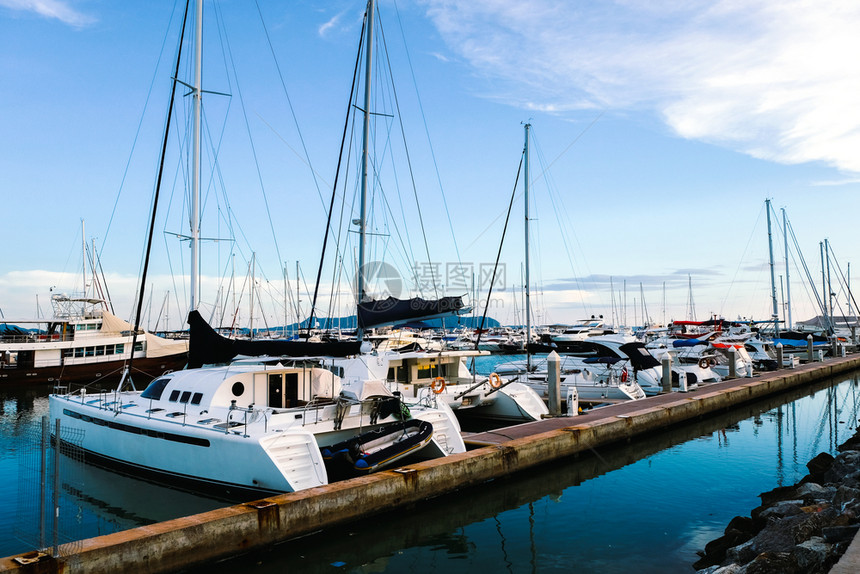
(350,323)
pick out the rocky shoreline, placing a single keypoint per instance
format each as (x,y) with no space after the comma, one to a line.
(803,528)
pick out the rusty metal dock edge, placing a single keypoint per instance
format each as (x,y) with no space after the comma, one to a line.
(184,542)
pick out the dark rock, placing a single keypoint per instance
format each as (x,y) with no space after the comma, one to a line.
(743,553)
(852,443)
(838,471)
(820,464)
(813,492)
(742,524)
(715,550)
(782,508)
(845,496)
(833,534)
(811,526)
(777,494)
(773,563)
(811,555)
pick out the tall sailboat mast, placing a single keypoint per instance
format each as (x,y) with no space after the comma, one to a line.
(197,96)
(772,280)
(526,194)
(362,223)
(787,282)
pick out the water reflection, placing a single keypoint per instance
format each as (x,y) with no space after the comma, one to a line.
(93,501)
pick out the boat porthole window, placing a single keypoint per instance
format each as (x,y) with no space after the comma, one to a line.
(185,396)
(174,395)
(196,398)
(238,389)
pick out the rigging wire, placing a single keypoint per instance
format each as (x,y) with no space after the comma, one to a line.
(155,74)
(290,103)
(151,229)
(753,230)
(499,253)
(409,163)
(427,132)
(346,124)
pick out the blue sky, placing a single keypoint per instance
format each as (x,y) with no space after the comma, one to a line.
(660,129)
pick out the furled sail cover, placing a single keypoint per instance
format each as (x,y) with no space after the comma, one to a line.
(208,347)
(391,311)
(688,343)
(640,357)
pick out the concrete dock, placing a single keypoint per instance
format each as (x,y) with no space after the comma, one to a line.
(183,542)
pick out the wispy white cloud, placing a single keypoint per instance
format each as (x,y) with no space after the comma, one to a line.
(331,24)
(55,9)
(774,79)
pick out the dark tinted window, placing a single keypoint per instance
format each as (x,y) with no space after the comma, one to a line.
(154,390)
(185,396)
(174,395)
(195,400)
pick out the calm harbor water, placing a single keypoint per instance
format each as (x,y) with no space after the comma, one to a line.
(648,505)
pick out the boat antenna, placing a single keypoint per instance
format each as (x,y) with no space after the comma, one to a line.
(127,373)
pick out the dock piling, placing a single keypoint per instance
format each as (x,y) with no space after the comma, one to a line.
(667,373)
(553,380)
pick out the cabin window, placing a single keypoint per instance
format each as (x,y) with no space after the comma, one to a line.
(196,398)
(336,371)
(428,371)
(154,390)
(398,373)
(79,352)
(185,396)
(174,396)
(138,346)
(100,351)
(89,352)
(238,389)
(68,353)
(120,348)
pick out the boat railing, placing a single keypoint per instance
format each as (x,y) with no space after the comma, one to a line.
(244,411)
(37,338)
(83,393)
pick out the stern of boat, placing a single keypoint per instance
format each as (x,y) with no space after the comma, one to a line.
(297,456)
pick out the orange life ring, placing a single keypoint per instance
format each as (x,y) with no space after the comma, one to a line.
(438,385)
(495,380)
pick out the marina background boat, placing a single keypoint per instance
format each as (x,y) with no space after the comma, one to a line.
(83,342)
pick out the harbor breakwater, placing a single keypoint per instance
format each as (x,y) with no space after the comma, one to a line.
(800,529)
